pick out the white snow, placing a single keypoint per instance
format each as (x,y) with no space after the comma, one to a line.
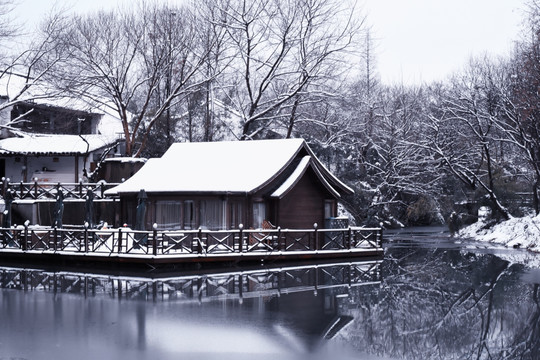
(126,159)
(39,92)
(521,232)
(228,166)
(54,144)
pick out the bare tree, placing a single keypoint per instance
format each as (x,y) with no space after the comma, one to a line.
(281,49)
(462,132)
(24,75)
(140,63)
(519,91)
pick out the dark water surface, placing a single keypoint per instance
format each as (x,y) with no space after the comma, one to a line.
(431,297)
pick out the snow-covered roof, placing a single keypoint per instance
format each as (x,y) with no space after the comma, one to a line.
(126,159)
(40,144)
(39,92)
(215,167)
(15,87)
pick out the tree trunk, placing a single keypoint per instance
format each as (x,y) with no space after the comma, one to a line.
(536,203)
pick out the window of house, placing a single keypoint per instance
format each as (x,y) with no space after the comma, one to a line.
(169,214)
(236,215)
(212,214)
(189,215)
(259,214)
(329,209)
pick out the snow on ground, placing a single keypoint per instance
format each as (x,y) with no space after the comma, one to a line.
(517,233)
(520,233)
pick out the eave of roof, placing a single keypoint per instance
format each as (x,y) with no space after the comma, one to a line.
(333,180)
(297,174)
(54,145)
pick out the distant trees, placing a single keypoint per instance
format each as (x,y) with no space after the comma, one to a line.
(464,134)
(282,53)
(138,62)
(25,64)
(248,69)
(522,121)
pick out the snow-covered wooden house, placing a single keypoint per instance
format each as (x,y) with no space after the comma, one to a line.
(219,185)
(49,137)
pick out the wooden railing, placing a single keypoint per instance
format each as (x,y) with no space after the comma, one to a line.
(46,190)
(200,242)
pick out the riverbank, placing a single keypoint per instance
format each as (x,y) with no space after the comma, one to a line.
(521,232)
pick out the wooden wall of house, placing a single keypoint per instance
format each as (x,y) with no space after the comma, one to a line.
(117,171)
(304,204)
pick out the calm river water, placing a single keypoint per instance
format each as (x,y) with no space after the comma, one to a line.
(431,297)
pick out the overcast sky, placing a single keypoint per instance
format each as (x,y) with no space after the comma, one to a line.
(415,40)
(425,40)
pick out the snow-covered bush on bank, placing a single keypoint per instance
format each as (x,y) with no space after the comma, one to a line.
(523,232)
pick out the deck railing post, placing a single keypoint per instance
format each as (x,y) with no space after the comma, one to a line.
(240,237)
(349,245)
(379,240)
(279,238)
(154,243)
(80,189)
(21,190)
(24,240)
(316,236)
(200,242)
(119,241)
(86,225)
(102,189)
(36,192)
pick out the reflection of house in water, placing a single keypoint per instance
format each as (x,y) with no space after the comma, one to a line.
(298,307)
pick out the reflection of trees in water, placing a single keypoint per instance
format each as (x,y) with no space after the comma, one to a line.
(448,304)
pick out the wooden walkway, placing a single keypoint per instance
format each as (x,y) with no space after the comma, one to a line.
(156,248)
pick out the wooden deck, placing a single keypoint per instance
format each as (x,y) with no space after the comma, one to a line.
(122,246)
